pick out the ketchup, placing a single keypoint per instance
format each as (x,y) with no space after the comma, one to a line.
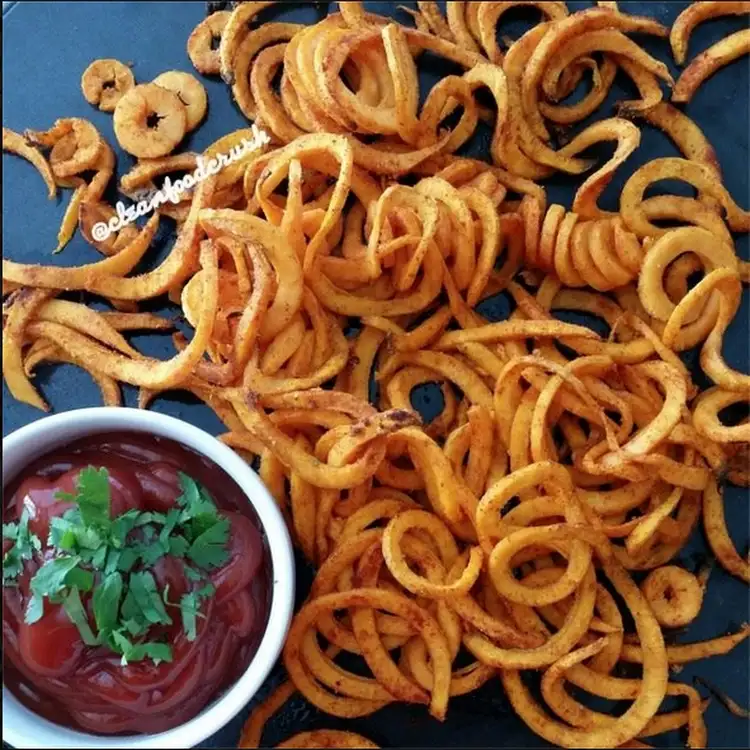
(47,665)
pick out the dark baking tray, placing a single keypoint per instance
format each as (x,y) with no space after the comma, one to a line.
(46,46)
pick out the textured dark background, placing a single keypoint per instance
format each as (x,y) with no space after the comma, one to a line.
(46,47)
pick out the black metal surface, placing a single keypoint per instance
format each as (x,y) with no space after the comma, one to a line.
(46,46)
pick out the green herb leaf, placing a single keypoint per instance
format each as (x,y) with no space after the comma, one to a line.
(25,544)
(143,588)
(93,496)
(192,573)
(131,613)
(148,534)
(170,521)
(12,566)
(151,552)
(133,627)
(201,523)
(195,500)
(80,578)
(123,525)
(106,601)
(178,546)
(98,559)
(157,652)
(77,614)
(50,578)
(88,538)
(205,591)
(150,517)
(209,549)
(34,609)
(112,558)
(189,608)
(190,490)
(127,559)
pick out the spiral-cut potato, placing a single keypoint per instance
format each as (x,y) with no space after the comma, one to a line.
(600,253)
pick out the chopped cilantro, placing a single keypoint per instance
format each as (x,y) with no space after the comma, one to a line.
(192,573)
(178,546)
(127,559)
(93,498)
(50,578)
(80,578)
(24,545)
(208,590)
(106,601)
(190,609)
(122,526)
(170,521)
(112,558)
(74,609)
(157,652)
(34,609)
(195,500)
(150,551)
(209,549)
(132,626)
(131,612)
(61,533)
(99,558)
(143,588)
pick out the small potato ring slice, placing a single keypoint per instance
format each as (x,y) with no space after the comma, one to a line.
(190,92)
(105,82)
(150,121)
(674,595)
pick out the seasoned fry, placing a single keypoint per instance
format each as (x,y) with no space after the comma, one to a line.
(70,218)
(76,146)
(200,43)
(707,63)
(15,144)
(696,13)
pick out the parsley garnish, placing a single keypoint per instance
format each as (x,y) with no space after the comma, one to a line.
(157,652)
(74,609)
(112,557)
(190,608)
(209,549)
(50,578)
(143,589)
(24,545)
(92,498)
(106,601)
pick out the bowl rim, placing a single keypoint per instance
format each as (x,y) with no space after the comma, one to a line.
(22,446)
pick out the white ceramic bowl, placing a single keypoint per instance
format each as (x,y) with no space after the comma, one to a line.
(24,729)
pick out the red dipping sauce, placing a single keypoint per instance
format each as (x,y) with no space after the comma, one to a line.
(47,665)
